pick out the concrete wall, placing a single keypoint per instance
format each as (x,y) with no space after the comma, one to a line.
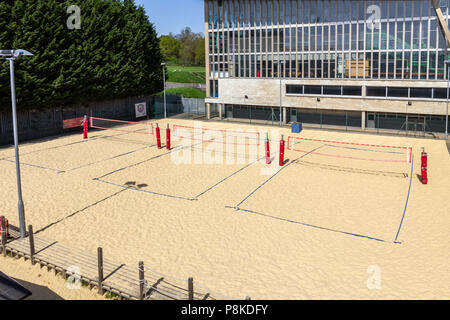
(266,92)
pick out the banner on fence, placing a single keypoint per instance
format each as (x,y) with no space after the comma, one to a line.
(72,123)
(141,109)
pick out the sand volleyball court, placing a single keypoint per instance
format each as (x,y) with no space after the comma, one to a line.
(356,183)
(213,209)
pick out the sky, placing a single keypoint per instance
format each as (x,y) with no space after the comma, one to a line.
(174,15)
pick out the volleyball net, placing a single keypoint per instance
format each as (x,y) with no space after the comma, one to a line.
(217,136)
(350,151)
(240,144)
(122,126)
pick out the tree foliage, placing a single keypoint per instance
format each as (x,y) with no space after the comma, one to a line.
(170,48)
(186,48)
(115,54)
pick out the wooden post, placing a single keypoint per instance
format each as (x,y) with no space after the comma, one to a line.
(191,288)
(141,280)
(3,225)
(31,239)
(100,270)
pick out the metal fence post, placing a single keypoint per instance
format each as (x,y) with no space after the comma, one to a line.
(31,239)
(100,270)
(191,288)
(3,224)
(141,280)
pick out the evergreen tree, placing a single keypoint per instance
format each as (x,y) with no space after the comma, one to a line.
(115,54)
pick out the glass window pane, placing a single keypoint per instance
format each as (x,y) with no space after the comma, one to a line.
(440,93)
(400,92)
(332,90)
(352,91)
(376,91)
(313,90)
(294,89)
(420,93)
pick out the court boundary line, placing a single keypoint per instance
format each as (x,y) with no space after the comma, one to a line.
(35,165)
(64,145)
(307,224)
(60,171)
(195,198)
(406,202)
(238,208)
(274,175)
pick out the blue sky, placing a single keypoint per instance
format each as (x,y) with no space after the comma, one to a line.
(174,15)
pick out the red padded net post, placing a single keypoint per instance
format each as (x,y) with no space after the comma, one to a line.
(267,149)
(85,127)
(424,167)
(158,136)
(282,143)
(168,137)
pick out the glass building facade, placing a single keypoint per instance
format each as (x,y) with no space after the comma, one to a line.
(366,40)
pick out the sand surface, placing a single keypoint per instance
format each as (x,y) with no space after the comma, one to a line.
(312,230)
(50,286)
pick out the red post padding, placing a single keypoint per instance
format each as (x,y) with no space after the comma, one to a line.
(85,127)
(158,137)
(168,137)
(424,167)
(282,151)
(267,150)
(6,227)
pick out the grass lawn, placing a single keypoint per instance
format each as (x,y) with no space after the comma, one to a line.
(181,74)
(186,92)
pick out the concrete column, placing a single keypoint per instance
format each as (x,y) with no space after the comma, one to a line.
(363,120)
(284,116)
(208,111)
(220,110)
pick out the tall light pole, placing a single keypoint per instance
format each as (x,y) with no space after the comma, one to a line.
(448,90)
(164,80)
(281,86)
(12,55)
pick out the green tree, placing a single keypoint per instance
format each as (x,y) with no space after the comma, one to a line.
(115,54)
(170,48)
(189,41)
(200,52)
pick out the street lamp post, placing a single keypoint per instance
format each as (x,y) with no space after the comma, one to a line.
(448,90)
(281,94)
(164,80)
(12,55)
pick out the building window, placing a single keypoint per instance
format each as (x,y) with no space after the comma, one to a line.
(332,90)
(440,93)
(421,93)
(399,92)
(376,92)
(214,88)
(313,90)
(294,89)
(351,91)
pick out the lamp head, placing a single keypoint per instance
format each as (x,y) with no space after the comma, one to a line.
(14,53)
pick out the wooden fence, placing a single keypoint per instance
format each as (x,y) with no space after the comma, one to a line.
(126,282)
